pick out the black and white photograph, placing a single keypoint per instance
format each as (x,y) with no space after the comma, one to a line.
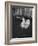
(22,21)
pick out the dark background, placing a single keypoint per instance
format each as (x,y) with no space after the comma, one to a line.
(17,31)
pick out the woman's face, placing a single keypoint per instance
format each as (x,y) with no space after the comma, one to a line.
(25,23)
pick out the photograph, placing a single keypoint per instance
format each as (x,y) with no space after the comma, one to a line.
(22,22)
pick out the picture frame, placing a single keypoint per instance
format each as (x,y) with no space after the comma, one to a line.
(9,21)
